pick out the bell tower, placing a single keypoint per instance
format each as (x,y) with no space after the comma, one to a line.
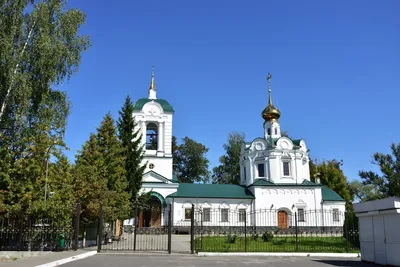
(272,128)
(153,117)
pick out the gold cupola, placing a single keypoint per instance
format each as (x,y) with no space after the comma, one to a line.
(270,113)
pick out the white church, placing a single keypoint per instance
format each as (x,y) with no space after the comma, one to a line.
(274,175)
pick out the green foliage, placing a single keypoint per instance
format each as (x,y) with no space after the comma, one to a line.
(39,49)
(267,236)
(231,238)
(254,236)
(388,183)
(132,149)
(191,162)
(279,242)
(365,192)
(332,176)
(100,176)
(228,172)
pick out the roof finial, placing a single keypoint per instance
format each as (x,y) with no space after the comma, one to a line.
(152,84)
(269,88)
(152,88)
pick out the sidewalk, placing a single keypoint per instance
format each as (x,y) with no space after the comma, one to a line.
(43,259)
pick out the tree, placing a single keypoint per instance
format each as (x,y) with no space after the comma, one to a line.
(331,175)
(365,192)
(39,47)
(191,162)
(100,176)
(89,182)
(113,169)
(130,136)
(228,172)
(388,183)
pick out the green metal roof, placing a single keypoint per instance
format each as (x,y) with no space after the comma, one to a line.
(160,197)
(174,178)
(330,195)
(142,101)
(212,191)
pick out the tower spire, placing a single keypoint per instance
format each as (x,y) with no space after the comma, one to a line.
(270,113)
(269,89)
(152,88)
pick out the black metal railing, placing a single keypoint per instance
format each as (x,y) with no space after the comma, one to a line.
(149,230)
(35,234)
(227,230)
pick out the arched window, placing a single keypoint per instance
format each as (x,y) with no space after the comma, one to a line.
(151,136)
(276,131)
(269,131)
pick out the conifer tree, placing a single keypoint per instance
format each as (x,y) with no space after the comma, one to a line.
(130,137)
(100,174)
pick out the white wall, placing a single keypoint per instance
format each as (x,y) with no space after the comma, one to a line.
(270,200)
(380,235)
(257,152)
(162,165)
(215,204)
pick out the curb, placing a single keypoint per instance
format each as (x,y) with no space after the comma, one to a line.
(69,259)
(278,254)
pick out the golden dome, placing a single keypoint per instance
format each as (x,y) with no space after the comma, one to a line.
(270,113)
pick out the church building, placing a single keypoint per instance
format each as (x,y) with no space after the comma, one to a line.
(274,177)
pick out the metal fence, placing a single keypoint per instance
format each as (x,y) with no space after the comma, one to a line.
(150,230)
(38,233)
(274,231)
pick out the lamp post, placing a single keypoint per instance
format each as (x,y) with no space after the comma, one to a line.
(47,169)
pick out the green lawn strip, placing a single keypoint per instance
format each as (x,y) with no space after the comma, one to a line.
(279,244)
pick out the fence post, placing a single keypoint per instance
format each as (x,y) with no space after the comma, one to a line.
(135,229)
(201,231)
(245,231)
(169,228)
(76,228)
(297,231)
(100,229)
(192,230)
(346,230)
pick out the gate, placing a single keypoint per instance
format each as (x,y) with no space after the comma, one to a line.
(149,230)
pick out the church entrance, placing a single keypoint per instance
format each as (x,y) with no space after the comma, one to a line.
(150,216)
(283,219)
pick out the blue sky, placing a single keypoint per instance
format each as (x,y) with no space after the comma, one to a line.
(335,69)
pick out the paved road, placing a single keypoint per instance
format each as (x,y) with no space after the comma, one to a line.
(151,260)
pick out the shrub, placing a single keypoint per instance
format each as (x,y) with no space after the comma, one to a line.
(231,238)
(254,237)
(267,236)
(279,242)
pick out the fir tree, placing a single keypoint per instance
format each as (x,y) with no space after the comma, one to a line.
(130,137)
(111,150)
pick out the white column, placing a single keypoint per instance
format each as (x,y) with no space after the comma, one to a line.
(144,133)
(160,137)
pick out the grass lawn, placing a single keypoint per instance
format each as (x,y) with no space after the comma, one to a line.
(278,244)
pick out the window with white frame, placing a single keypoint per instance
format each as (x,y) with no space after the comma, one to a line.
(242,215)
(269,131)
(261,169)
(286,168)
(300,215)
(335,214)
(188,213)
(224,215)
(244,173)
(206,214)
